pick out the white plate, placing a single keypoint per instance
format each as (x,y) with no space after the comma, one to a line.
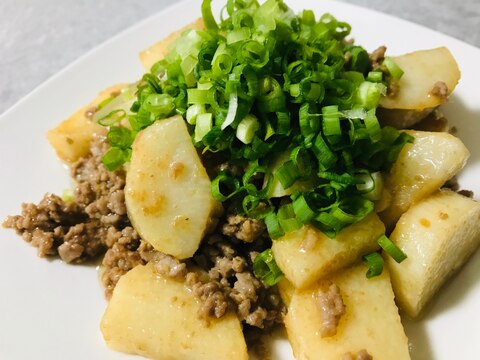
(49,310)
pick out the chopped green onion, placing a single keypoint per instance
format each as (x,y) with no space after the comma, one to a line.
(254,54)
(207,15)
(112,118)
(260,82)
(283,123)
(374,261)
(393,68)
(247,129)
(303,211)
(359,59)
(203,126)
(287,218)
(224,182)
(325,156)
(238,35)
(373,126)
(331,123)
(197,96)
(372,185)
(391,249)
(308,17)
(266,269)
(161,105)
(120,136)
(271,97)
(273,226)
(115,157)
(232,110)
(193,111)
(375,76)
(309,124)
(287,174)
(369,94)
(222,62)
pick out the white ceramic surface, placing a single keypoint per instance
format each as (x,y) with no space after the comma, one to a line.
(49,310)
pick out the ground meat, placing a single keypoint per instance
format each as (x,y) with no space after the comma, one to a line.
(124,254)
(361,355)
(93,222)
(229,283)
(330,303)
(168,265)
(57,227)
(243,228)
(440,90)
(453,185)
(467,193)
(377,56)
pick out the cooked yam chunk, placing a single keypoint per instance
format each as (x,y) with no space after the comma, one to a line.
(160,49)
(286,290)
(370,320)
(71,139)
(421,169)
(307,254)
(156,317)
(438,235)
(167,193)
(424,73)
(429,78)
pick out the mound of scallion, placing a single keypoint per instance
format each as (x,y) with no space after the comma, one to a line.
(284,97)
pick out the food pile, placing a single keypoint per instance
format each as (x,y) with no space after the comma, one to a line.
(259,174)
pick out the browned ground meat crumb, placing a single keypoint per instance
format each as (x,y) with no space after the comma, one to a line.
(361,355)
(166,265)
(243,228)
(95,220)
(453,185)
(330,303)
(467,193)
(229,283)
(377,56)
(440,90)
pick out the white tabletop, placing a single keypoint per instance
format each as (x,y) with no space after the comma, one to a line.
(40,37)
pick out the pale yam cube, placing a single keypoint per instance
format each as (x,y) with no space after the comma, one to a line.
(168,192)
(160,49)
(156,317)
(72,137)
(438,235)
(370,321)
(307,254)
(423,69)
(421,169)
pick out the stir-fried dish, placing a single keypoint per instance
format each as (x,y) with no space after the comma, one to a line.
(265,171)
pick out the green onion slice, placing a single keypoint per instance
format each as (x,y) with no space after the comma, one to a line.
(374,261)
(266,269)
(391,249)
(393,68)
